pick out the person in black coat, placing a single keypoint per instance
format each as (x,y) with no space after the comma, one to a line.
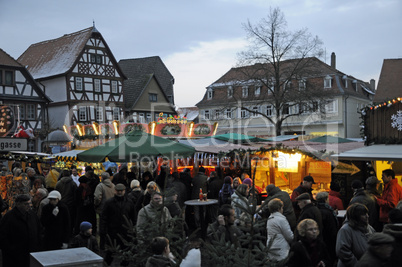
(179,188)
(329,222)
(56,221)
(84,199)
(309,211)
(20,233)
(112,219)
(309,251)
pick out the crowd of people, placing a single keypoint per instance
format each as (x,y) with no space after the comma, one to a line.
(66,210)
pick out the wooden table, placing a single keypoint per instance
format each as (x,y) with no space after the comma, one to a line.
(202,204)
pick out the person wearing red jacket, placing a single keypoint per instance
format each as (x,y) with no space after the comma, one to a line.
(391,195)
(334,197)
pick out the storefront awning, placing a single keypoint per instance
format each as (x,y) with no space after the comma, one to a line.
(374,152)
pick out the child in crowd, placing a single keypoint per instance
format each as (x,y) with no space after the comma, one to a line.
(85,238)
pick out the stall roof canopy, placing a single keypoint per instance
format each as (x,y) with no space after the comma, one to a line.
(212,145)
(374,152)
(281,138)
(238,138)
(330,139)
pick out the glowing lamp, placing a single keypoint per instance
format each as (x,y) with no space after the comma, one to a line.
(79,129)
(116,126)
(95,126)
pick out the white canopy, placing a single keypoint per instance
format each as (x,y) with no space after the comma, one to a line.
(374,152)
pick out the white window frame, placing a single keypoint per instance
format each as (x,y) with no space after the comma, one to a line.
(228,113)
(244,113)
(78,83)
(244,91)
(116,113)
(206,114)
(22,111)
(149,117)
(31,112)
(141,117)
(135,117)
(332,107)
(97,85)
(210,93)
(302,85)
(230,92)
(113,84)
(99,114)
(327,82)
(217,114)
(270,110)
(82,114)
(254,114)
(257,90)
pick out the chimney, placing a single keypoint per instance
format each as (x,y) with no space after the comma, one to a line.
(372,84)
(333,60)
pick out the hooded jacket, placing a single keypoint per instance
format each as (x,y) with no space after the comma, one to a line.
(335,200)
(103,192)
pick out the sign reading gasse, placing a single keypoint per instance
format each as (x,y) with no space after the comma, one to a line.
(13,144)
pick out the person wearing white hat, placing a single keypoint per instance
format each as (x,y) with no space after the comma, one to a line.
(56,221)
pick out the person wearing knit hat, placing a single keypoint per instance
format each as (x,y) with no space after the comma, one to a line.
(85,238)
(54,195)
(304,187)
(379,251)
(335,197)
(248,182)
(356,184)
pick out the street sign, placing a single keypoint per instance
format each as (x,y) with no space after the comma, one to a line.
(13,144)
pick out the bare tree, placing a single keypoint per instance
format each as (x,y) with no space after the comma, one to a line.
(284,65)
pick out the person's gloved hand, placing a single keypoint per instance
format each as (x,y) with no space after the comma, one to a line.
(64,246)
(55,211)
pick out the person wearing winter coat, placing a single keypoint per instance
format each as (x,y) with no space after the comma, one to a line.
(56,221)
(84,198)
(103,192)
(113,218)
(85,238)
(391,194)
(309,211)
(329,222)
(334,197)
(379,251)
(351,241)
(309,251)
(145,198)
(162,256)
(136,191)
(239,199)
(279,234)
(67,188)
(226,192)
(288,211)
(394,228)
(20,233)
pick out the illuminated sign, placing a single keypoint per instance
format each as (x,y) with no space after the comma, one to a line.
(13,144)
(171,119)
(6,120)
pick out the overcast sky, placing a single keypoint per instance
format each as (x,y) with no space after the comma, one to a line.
(198,40)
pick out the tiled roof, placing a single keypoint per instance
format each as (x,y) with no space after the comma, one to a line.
(133,68)
(390,82)
(133,88)
(56,56)
(7,60)
(313,68)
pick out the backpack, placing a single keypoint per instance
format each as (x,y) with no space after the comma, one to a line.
(225,195)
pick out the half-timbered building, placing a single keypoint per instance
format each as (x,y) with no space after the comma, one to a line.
(79,73)
(24,100)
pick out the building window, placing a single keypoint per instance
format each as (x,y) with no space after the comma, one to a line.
(286,109)
(149,117)
(99,114)
(78,83)
(270,110)
(142,118)
(271,86)
(302,85)
(217,114)
(230,92)
(22,112)
(243,113)
(114,87)
(254,113)
(244,91)
(82,114)
(287,85)
(96,59)
(116,113)
(135,117)
(332,107)
(31,112)
(327,82)
(228,113)
(153,97)
(97,85)
(9,77)
(354,85)
(206,114)
(257,90)
(1,77)
(210,93)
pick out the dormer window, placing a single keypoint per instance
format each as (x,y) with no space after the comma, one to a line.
(327,82)
(302,84)
(354,84)
(244,91)
(230,91)
(271,86)
(345,81)
(210,93)
(257,90)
